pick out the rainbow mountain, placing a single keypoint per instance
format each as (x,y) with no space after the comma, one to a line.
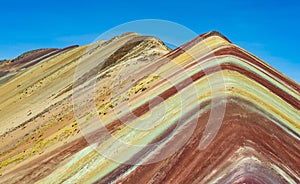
(130,110)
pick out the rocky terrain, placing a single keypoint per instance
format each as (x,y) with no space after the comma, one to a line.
(130,110)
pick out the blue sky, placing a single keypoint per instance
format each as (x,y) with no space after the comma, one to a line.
(268,29)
